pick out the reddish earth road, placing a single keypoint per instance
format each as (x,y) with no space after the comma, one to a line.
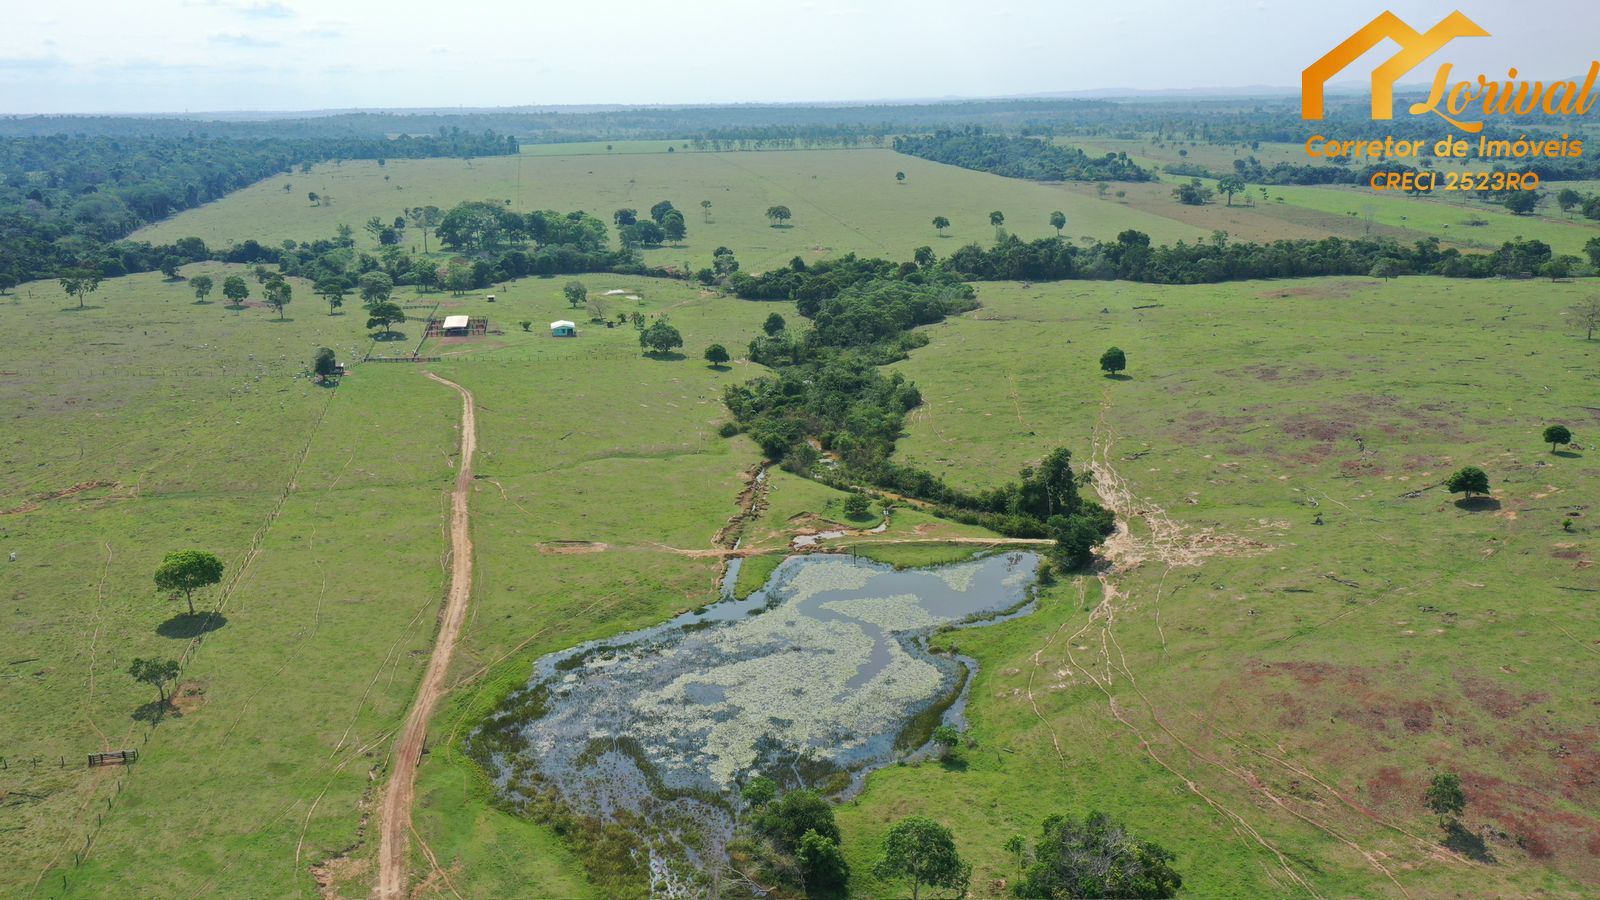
(395,813)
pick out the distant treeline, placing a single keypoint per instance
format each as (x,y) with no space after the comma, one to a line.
(1019,157)
(64,199)
(1130,257)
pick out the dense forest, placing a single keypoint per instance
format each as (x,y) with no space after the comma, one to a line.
(65,200)
(1019,157)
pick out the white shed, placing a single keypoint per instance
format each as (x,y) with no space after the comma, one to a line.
(456,326)
(563,328)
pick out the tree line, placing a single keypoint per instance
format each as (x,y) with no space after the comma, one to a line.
(1019,157)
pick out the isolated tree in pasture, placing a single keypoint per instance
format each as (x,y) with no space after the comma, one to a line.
(705,210)
(1195,193)
(997,218)
(774,324)
(717,355)
(314,198)
(778,215)
(157,673)
(425,219)
(1230,185)
(1586,315)
(1387,268)
(324,364)
(672,223)
(857,506)
(1520,203)
(1113,361)
(576,293)
(236,289)
(1058,221)
(1097,857)
(900,177)
(201,285)
(940,223)
(1569,199)
(1445,797)
(186,571)
(1556,435)
(660,337)
(1101,189)
(279,293)
(375,288)
(80,283)
(333,289)
(920,850)
(385,315)
(1468,480)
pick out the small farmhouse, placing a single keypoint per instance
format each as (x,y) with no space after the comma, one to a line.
(456,326)
(563,328)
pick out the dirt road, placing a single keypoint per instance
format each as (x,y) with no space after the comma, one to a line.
(395,813)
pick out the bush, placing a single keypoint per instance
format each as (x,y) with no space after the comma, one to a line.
(728,429)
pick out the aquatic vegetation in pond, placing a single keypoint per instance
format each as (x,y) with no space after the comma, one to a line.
(820,685)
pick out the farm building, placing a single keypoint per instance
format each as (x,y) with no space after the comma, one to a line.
(563,328)
(456,326)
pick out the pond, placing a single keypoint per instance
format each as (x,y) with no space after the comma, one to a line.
(812,681)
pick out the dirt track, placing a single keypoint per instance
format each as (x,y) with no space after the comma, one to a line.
(394,815)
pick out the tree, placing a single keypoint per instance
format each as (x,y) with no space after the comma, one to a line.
(186,571)
(625,216)
(660,337)
(660,210)
(672,223)
(315,200)
(80,283)
(1523,202)
(1468,480)
(716,355)
(923,851)
(425,219)
(332,289)
(1058,221)
(1016,845)
(1569,199)
(1388,268)
(941,223)
(1096,858)
(426,273)
(1445,797)
(997,218)
(759,791)
(375,288)
(458,278)
(156,673)
(576,293)
(1193,194)
(1113,361)
(774,324)
(279,293)
(787,819)
(201,285)
(169,267)
(900,177)
(705,210)
(778,215)
(236,289)
(822,864)
(385,315)
(1559,267)
(1586,315)
(946,737)
(857,506)
(324,364)
(1230,185)
(7,281)
(1556,435)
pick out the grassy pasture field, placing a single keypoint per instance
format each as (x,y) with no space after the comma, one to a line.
(1307,679)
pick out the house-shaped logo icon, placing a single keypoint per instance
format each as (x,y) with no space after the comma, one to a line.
(1414,48)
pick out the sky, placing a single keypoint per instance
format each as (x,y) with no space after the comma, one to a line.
(93,56)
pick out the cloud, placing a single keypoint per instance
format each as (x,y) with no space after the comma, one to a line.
(272,10)
(244,40)
(31,63)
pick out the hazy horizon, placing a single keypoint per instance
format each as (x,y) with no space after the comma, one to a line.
(212,56)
